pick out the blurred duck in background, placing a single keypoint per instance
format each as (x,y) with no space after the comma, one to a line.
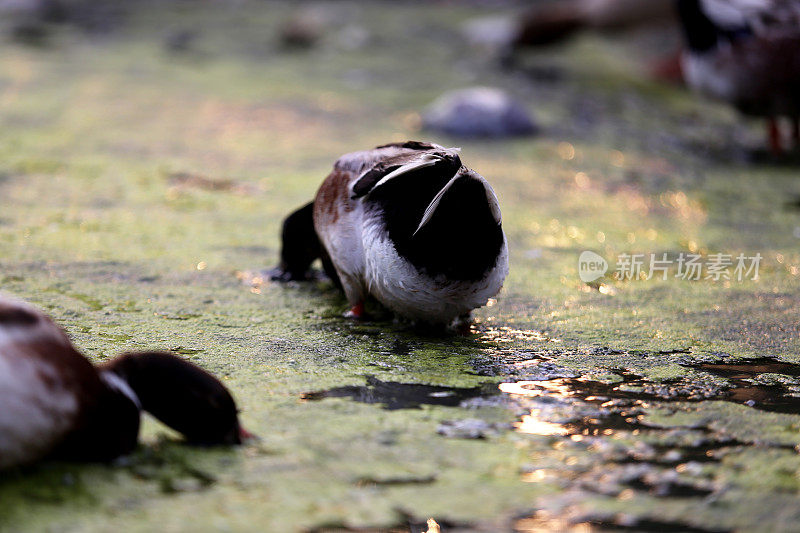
(555,21)
(55,403)
(746,53)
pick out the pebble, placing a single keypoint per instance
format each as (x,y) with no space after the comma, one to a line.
(479,112)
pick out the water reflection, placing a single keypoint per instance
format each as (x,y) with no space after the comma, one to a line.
(544,522)
(532,425)
(560,407)
(508,334)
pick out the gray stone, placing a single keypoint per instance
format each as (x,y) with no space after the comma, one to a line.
(479,112)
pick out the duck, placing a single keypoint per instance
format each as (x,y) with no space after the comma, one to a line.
(552,22)
(406,224)
(54,403)
(746,53)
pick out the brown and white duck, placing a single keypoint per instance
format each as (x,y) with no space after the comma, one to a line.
(55,403)
(746,53)
(407,224)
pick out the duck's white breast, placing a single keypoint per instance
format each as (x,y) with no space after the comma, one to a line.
(709,74)
(398,285)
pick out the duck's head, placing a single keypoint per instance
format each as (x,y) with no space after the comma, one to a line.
(441,216)
(180,394)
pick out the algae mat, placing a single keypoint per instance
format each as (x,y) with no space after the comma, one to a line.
(142,189)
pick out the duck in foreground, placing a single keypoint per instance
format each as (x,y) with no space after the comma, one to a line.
(747,54)
(407,224)
(55,403)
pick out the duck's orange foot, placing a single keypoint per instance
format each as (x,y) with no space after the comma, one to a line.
(357,311)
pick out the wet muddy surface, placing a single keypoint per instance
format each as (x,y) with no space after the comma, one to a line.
(143,179)
(763,384)
(590,413)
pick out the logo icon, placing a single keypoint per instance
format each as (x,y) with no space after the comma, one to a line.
(591,266)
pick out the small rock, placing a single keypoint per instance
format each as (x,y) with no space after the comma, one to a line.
(467,428)
(352,37)
(479,112)
(672,456)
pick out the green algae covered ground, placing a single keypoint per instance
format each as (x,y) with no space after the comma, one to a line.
(141,193)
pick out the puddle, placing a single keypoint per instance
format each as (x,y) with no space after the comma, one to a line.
(751,388)
(654,526)
(631,388)
(668,490)
(763,384)
(542,521)
(393,395)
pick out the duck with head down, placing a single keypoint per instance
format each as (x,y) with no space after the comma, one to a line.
(407,224)
(55,403)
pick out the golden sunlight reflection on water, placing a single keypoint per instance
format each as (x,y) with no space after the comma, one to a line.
(532,423)
(508,334)
(433,526)
(536,388)
(533,426)
(543,522)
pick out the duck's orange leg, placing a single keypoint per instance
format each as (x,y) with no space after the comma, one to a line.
(774,133)
(357,311)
